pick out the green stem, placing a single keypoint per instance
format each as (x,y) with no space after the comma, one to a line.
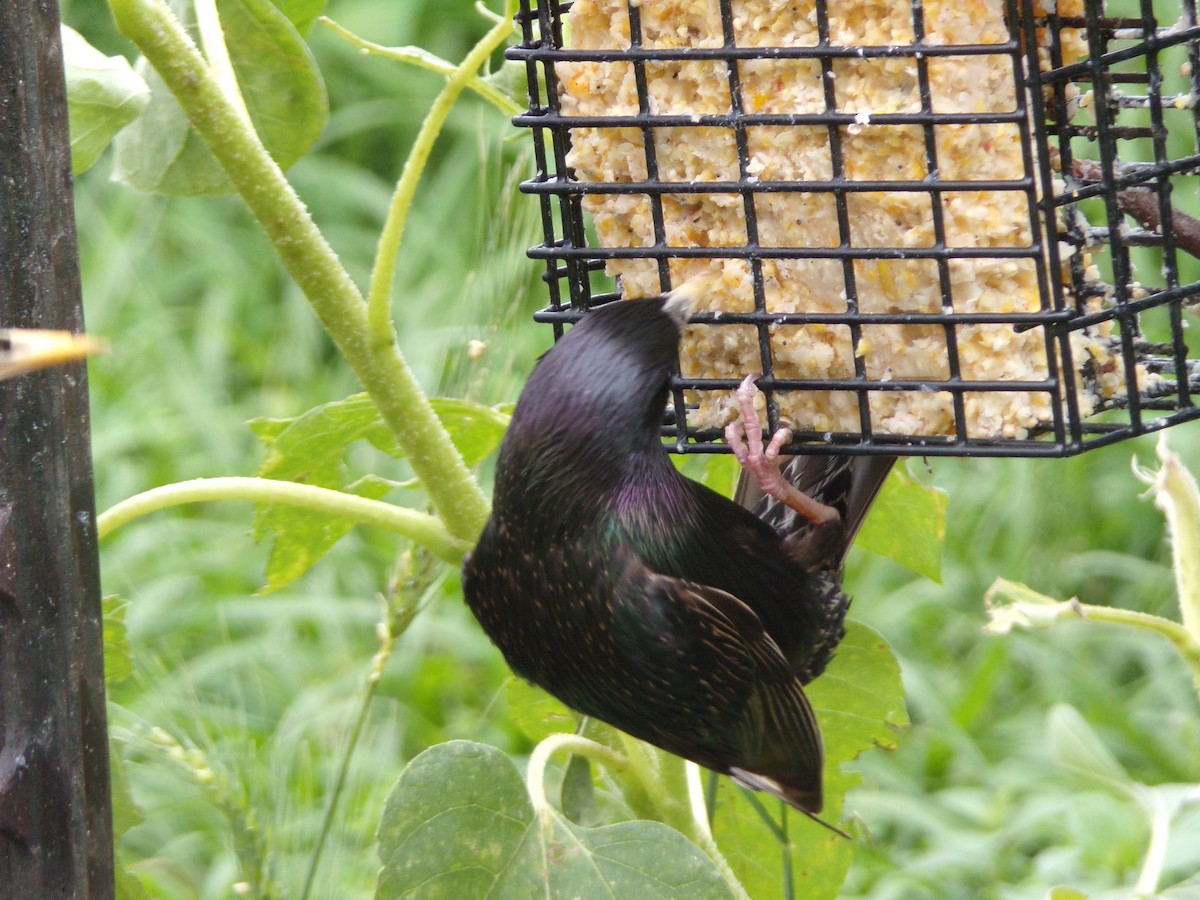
(1156,855)
(672,781)
(371,353)
(1012,605)
(696,798)
(1187,646)
(638,762)
(643,791)
(212,40)
(485,12)
(423,59)
(419,527)
(567,743)
(706,843)
(1176,494)
(379,296)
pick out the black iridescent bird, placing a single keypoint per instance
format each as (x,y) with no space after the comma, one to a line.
(645,599)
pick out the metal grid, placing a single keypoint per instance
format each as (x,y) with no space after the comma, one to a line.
(1106,217)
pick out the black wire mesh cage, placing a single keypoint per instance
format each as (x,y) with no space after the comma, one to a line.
(956,227)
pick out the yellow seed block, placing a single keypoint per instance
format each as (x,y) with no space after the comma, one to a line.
(805,217)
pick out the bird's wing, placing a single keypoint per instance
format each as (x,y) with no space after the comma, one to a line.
(847,483)
(731,667)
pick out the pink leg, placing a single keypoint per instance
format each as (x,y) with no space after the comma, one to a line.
(744,436)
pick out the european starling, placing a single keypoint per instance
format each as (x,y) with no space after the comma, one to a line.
(26,349)
(645,599)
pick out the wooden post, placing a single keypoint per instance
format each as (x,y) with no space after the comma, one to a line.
(55,806)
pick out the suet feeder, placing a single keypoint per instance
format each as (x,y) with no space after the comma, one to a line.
(956,227)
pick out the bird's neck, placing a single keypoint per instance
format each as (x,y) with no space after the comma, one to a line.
(651,508)
(572,485)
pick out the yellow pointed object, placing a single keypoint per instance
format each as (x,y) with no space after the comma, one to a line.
(26,349)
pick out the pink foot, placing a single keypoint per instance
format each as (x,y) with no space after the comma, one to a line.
(744,436)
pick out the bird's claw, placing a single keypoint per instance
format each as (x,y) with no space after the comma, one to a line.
(744,436)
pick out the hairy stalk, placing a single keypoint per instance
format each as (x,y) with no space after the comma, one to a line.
(372,354)
(379,296)
(212,40)
(664,779)
(567,743)
(419,527)
(1176,494)
(423,59)
(1011,605)
(1156,855)
(647,766)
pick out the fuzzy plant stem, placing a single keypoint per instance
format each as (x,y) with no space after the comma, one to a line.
(379,298)
(1012,605)
(422,529)
(645,764)
(423,59)
(1156,856)
(370,352)
(1176,494)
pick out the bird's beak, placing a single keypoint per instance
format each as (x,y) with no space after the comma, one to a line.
(681,301)
(25,350)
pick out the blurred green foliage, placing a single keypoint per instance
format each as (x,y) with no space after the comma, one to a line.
(238,705)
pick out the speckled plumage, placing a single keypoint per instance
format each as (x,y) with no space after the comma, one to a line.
(640,597)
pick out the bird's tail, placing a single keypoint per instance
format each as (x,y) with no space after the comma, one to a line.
(802,799)
(847,483)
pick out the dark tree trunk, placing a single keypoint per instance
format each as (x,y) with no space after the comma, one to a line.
(55,809)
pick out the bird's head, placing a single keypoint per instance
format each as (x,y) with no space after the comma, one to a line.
(599,393)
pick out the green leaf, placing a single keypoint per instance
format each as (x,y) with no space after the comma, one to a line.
(536,713)
(1080,753)
(721,473)
(312,439)
(126,812)
(279,84)
(907,524)
(819,859)
(459,824)
(318,437)
(160,153)
(127,885)
(1188,889)
(278,76)
(302,537)
(578,795)
(859,702)
(512,80)
(103,96)
(125,815)
(1062,892)
(311,447)
(118,658)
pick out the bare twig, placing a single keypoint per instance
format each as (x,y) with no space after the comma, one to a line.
(1142,206)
